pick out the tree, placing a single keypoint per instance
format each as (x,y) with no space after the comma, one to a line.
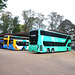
(67,27)
(15,25)
(54,20)
(38,24)
(33,20)
(28,17)
(39,20)
(22,28)
(3,4)
(6,22)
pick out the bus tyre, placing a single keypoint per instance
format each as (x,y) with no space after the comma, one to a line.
(52,51)
(48,50)
(23,48)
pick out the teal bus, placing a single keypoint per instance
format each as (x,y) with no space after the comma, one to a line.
(48,41)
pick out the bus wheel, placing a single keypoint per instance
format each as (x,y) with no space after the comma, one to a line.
(48,50)
(23,48)
(52,50)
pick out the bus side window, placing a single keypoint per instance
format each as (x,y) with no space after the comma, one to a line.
(18,43)
(25,43)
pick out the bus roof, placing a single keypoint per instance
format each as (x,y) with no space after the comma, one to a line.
(35,30)
(16,34)
(58,32)
(54,31)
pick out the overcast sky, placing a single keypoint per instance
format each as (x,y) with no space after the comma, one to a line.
(63,7)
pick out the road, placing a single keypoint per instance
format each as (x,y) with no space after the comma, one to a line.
(28,63)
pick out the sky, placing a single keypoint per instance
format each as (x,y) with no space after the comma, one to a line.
(62,7)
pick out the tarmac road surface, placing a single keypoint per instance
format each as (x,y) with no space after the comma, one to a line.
(28,63)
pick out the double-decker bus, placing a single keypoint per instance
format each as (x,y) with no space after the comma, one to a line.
(48,41)
(16,43)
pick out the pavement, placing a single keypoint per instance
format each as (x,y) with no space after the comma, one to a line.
(73,52)
(30,63)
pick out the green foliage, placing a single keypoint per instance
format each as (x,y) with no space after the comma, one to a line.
(67,27)
(9,24)
(22,28)
(28,17)
(15,25)
(6,22)
(32,20)
(54,20)
(3,4)
(40,20)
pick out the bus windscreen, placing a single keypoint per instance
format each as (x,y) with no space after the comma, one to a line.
(33,37)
